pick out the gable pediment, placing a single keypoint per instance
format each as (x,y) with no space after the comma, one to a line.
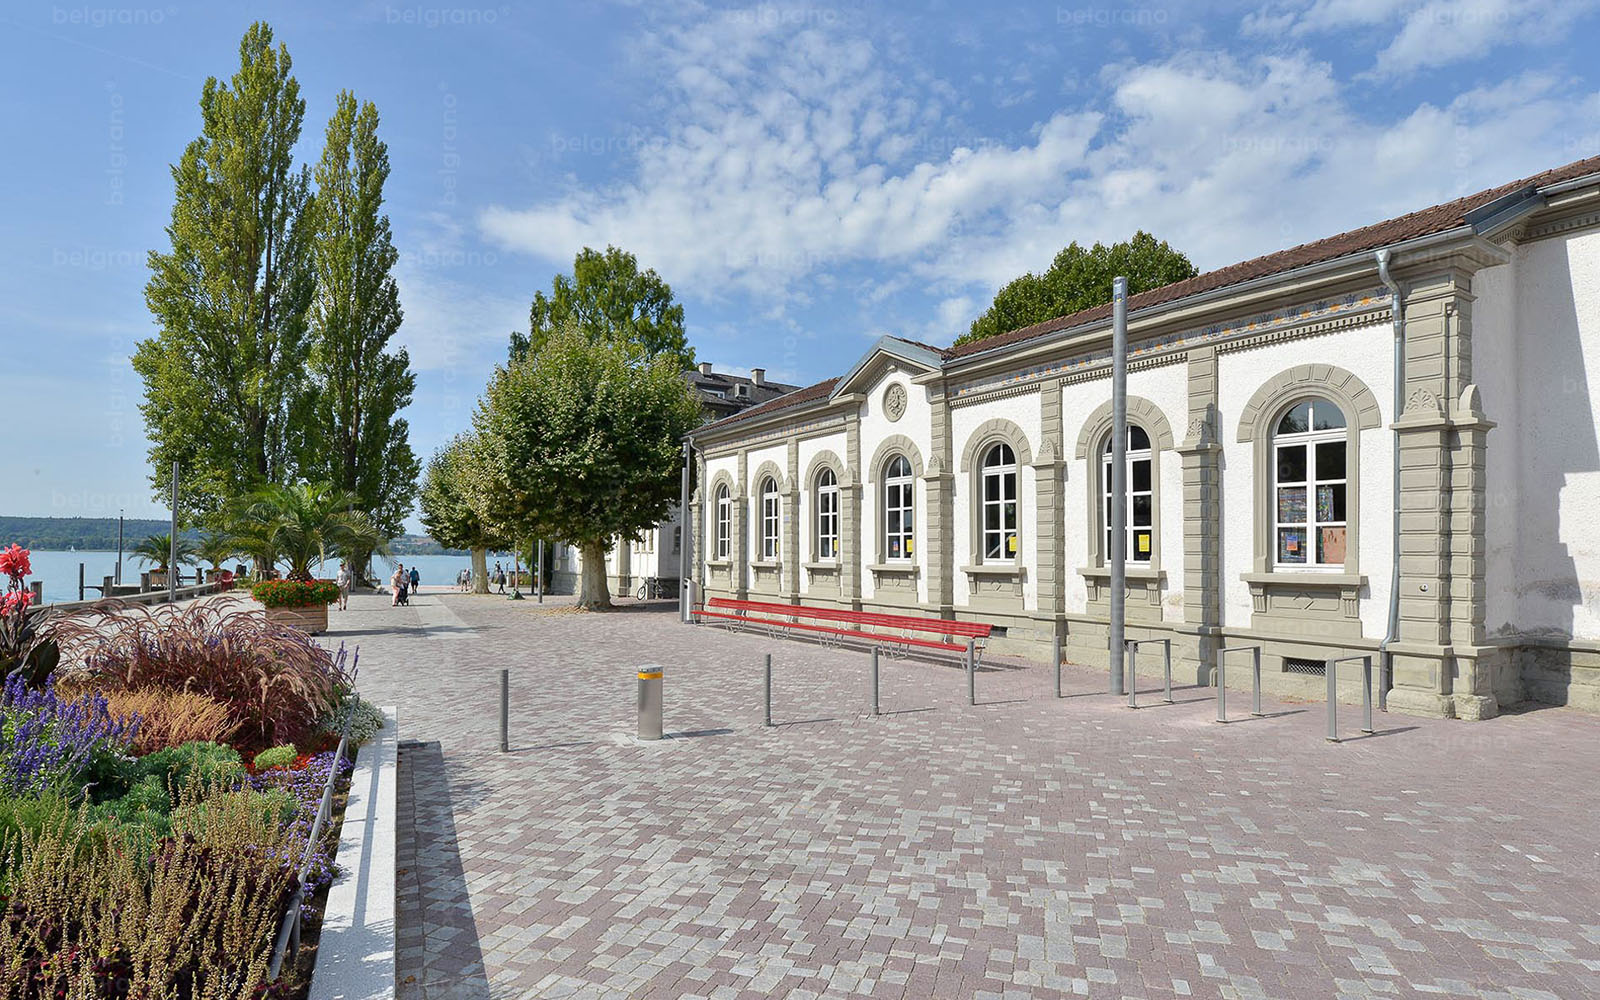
(887,355)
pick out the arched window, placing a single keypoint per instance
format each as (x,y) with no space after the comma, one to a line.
(769,518)
(899,509)
(724,522)
(1309,460)
(1140,519)
(827,515)
(999,493)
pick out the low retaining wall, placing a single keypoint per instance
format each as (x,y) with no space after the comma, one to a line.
(142,597)
(355,954)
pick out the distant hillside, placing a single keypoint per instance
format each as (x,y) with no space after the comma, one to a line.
(60,533)
(420,545)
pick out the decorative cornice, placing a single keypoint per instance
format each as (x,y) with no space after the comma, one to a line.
(1587,220)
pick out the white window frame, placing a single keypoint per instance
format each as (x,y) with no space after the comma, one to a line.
(771,520)
(1004,474)
(1133,457)
(1311,486)
(827,497)
(724,529)
(899,498)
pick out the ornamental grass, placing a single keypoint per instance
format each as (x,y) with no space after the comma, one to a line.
(167,719)
(275,681)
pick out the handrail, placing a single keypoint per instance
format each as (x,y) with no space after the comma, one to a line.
(1132,646)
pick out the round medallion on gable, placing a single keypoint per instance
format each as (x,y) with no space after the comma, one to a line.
(894,401)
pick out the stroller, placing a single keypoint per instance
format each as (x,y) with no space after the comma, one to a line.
(404,595)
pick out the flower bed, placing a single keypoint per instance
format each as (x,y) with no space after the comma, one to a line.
(157,796)
(295,593)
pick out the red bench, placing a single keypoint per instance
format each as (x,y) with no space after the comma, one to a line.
(835,623)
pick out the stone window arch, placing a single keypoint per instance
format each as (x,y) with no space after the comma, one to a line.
(1094,440)
(1272,408)
(719,518)
(890,449)
(825,478)
(992,462)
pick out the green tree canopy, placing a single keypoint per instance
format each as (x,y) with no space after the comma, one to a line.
(1080,279)
(608,298)
(585,438)
(301,524)
(157,549)
(452,494)
(224,376)
(354,438)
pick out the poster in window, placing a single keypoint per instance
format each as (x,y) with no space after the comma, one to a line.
(1331,545)
(1291,505)
(908,546)
(1291,545)
(1011,544)
(1143,543)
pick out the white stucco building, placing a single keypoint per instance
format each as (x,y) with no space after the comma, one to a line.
(1270,441)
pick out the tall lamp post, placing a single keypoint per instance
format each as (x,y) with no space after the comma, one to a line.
(516,572)
(118,579)
(1119,477)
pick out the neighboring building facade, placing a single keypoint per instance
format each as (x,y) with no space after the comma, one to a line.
(973,482)
(658,553)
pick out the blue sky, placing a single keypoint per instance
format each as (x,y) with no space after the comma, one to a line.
(807,176)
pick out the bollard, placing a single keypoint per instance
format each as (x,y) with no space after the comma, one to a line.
(874,680)
(972,673)
(1055,648)
(768,688)
(505,711)
(80,581)
(1166,656)
(1366,693)
(1130,654)
(1332,669)
(650,701)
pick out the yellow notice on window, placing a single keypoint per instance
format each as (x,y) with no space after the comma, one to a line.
(1144,543)
(1011,543)
(908,546)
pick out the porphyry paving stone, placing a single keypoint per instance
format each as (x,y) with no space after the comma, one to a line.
(1025,847)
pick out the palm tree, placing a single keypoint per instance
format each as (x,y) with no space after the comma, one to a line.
(158,549)
(216,548)
(302,524)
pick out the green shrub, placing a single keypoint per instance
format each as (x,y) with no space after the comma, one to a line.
(365,721)
(282,756)
(211,763)
(295,593)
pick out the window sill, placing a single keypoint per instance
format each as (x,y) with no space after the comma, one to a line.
(992,569)
(822,565)
(1133,572)
(907,568)
(765,564)
(719,563)
(1304,578)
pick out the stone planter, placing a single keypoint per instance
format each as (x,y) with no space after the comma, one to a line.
(312,618)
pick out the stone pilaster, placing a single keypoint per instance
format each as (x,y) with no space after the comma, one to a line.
(1049,488)
(791,554)
(850,541)
(740,576)
(1201,452)
(694,532)
(939,544)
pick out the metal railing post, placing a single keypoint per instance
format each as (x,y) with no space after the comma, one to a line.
(972,673)
(1131,658)
(1055,647)
(1331,668)
(1366,693)
(505,711)
(767,689)
(1222,686)
(874,680)
(1166,654)
(1256,670)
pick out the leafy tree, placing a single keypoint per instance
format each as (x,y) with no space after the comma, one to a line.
(584,440)
(158,549)
(355,440)
(224,376)
(300,525)
(608,298)
(449,500)
(1080,279)
(216,548)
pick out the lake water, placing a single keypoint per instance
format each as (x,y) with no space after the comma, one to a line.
(59,570)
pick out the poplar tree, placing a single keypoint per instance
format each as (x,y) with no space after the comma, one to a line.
(355,439)
(224,376)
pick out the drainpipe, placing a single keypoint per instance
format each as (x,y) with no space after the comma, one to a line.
(1397,307)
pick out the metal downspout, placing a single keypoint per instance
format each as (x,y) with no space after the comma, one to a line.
(1397,308)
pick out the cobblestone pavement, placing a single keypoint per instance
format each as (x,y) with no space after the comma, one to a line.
(1025,847)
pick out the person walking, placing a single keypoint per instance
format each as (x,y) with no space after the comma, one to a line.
(397,586)
(343,579)
(416,579)
(500,577)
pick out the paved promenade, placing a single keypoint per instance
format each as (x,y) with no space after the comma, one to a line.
(1025,847)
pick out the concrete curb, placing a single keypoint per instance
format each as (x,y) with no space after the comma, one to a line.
(355,957)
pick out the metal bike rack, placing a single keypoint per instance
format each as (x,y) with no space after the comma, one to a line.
(1222,679)
(1332,670)
(1132,646)
(1055,647)
(972,672)
(767,688)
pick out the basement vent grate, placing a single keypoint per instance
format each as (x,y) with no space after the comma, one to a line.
(1300,665)
(997,632)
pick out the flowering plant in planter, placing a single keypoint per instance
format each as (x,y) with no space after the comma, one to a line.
(295,593)
(20,650)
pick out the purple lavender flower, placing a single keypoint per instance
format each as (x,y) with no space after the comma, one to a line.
(48,742)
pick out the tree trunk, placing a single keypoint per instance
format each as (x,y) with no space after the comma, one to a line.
(480,571)
(593,593)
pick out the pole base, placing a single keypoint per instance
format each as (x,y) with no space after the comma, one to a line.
(516,595)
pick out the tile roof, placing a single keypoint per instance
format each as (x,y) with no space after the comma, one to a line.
(1427,222)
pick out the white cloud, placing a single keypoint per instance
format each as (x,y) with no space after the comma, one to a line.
(790,163)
